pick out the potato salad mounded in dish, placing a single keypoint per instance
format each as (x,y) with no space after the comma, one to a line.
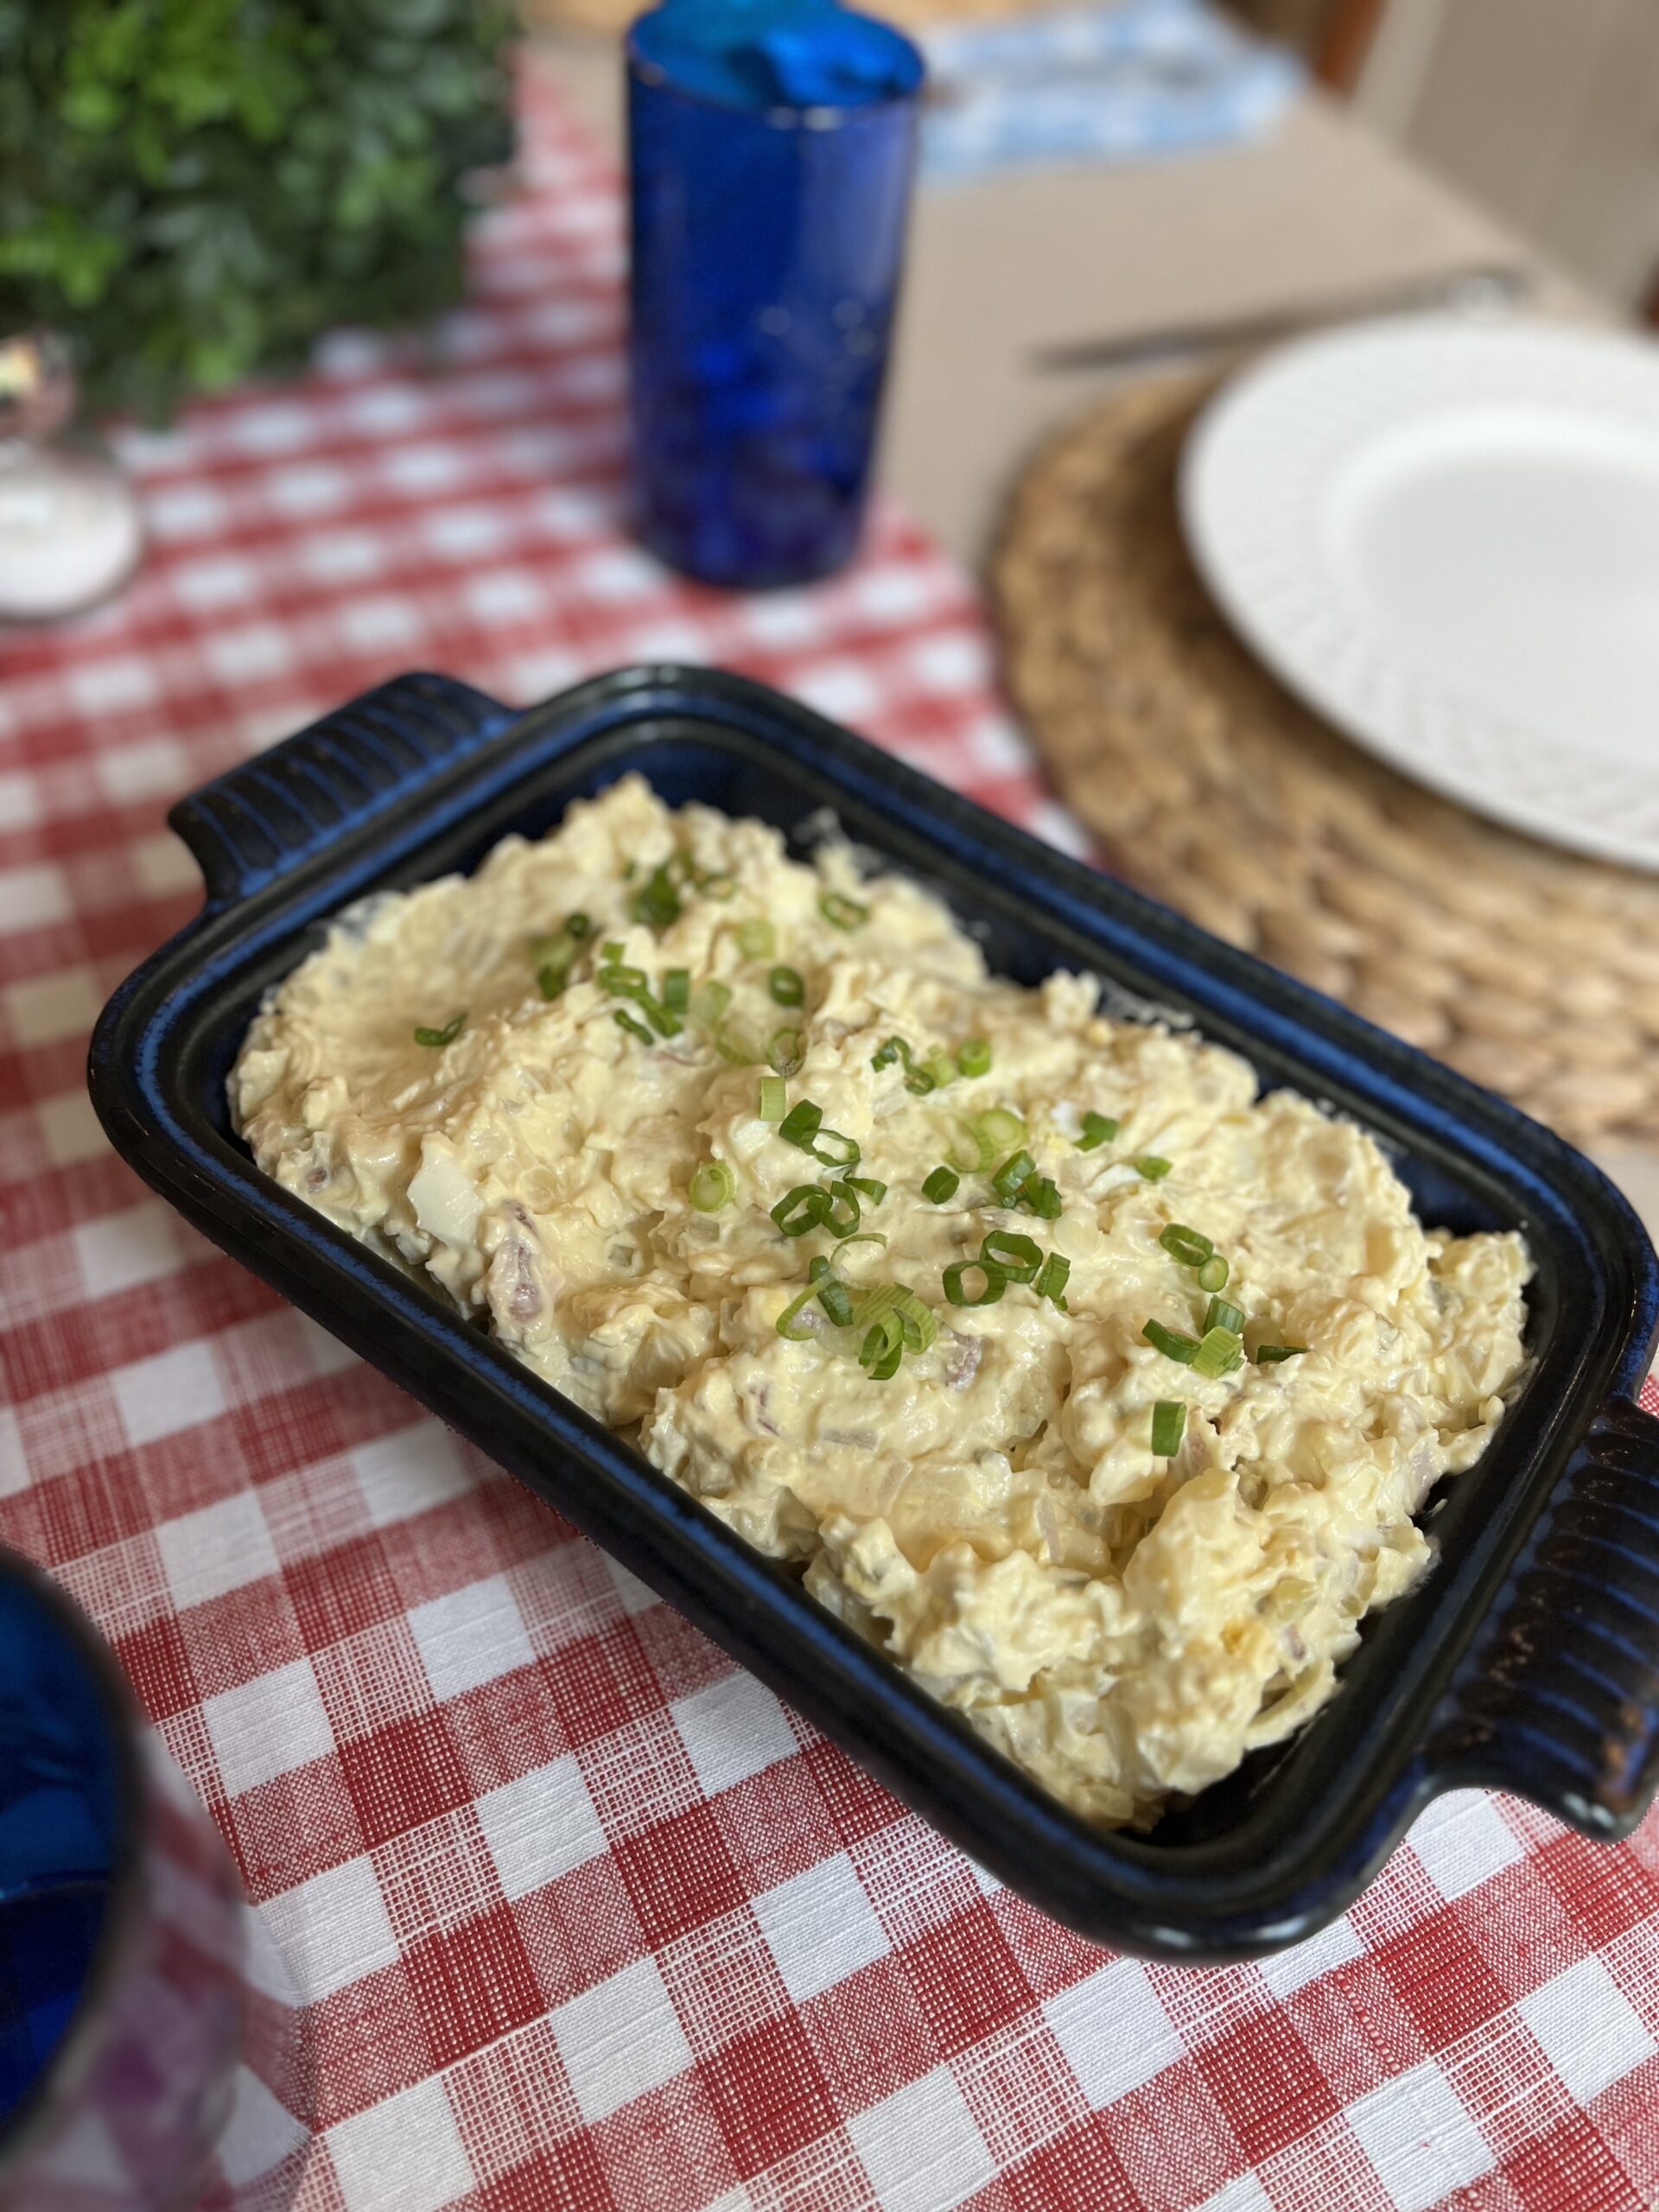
(1096,1390)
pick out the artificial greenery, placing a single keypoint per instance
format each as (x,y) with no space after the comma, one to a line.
(192,189)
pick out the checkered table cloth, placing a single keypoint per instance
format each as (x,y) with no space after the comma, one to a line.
(574,1916)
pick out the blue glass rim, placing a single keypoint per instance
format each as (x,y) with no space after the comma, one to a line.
(123,1914)
(780,115)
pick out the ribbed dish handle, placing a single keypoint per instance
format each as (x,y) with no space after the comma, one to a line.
(277,810)
(1558,1697)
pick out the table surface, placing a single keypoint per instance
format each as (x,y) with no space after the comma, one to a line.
(567,1914)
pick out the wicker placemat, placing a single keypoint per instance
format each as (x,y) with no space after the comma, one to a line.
(1535,971)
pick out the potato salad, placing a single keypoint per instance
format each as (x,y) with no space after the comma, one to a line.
(1096,1389)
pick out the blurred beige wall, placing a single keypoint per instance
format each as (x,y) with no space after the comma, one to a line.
(1547,112)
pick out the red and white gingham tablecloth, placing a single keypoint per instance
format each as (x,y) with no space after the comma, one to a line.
(577,1915)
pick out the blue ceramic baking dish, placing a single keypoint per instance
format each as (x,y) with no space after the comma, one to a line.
(1527,1660)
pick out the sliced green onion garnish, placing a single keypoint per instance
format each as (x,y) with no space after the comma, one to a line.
(801,1209)
(786,985)
(1016,1256)
(941,1067)
(974,1152)
(1151,1168)
(836,1301)
(634,1028)
(1041,1195)
(787,1325)
(1098,1129)
(1168,1426)
(1051,1284)
(711,1186)
(864,1236)
(1000,1128)
(785,1050)
(677,990)
(578,927)
(1270,1355)
(550,979)
(623,983)
(1175,1343)
(974,1056)
(894,1049)
(658,903)
(709,1001)
(1223,1315)
(840,1216)
(994,1282)
(756,940)
(664,1023)
(843,913)
(447,1034)
(1189,1246)
(774,1098)
(920,1082)
(717,886)
(941,1185)
(1011,1174)
(834,1149)
(1212,1276)
(801,1124)
(868,1187)
(610,951)
(1218,1355)
(882,1349)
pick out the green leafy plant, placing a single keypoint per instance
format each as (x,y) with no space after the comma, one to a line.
(192,189)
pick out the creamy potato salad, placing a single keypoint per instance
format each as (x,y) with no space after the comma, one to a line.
(1096,1390)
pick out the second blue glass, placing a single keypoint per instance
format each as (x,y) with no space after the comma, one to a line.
(768,237)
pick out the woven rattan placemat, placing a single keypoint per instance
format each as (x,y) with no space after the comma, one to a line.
(1535,971)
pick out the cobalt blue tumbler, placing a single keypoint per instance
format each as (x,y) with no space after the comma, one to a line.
(771,148)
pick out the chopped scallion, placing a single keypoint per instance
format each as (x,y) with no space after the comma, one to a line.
(736,1046)
(798,1332)
(1017,1257)
(1011,1174)
(1168,1426)
(974,1056)
(801,1124)
(1151,1169)
(1223,1315)
(801,1209)
(1188,1245)
(711,1186)
(578,925)
(1219,1354)
(774,1098)
(834,1149)
(941,1185)
(994,1282)
(1270,1355)
(1040,1195)
(677,990)
(920,1082)
(841,1217)
(842,913)
(836,1301)
(658,903)
(1051,1284)
(868,1187)
(634,1028)
(550,979)
(784,1051)
(717,886)
(1098,1129)
(756,939)
(894,1049)
(1175,1343)
(447,1035)
(786,985)
(1212,1276)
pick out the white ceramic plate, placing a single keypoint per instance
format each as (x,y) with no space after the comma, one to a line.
(1444,536)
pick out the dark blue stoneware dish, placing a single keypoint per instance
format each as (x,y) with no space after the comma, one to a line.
(1527,1660)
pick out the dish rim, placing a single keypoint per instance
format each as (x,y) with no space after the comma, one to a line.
(1244,1892)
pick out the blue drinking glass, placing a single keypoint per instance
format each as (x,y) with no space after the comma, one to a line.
(121,1932)
(771,147)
